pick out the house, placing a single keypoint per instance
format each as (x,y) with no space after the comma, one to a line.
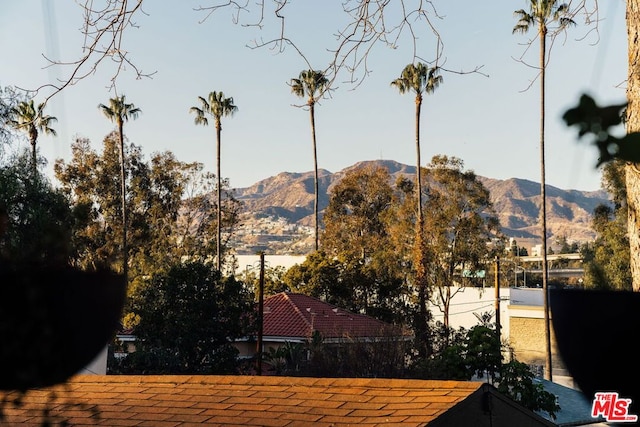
(181,401)
(294,318)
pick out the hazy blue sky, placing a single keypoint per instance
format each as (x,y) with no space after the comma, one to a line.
(491,123)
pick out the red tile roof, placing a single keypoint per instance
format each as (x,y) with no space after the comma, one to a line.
(296,315)
(183,401)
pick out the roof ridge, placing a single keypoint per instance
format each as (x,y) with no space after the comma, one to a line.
(298,311)
(337,308)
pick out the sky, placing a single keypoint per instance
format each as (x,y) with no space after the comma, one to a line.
(490,119)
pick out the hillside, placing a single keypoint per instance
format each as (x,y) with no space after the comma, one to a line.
(279,210)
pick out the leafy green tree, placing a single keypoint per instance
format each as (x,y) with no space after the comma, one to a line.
(119,111)
(518,382)
(484,351)
(312,84)
(448,356)
(172,217)
(318,276)
(607,260)
(38,221)
(6,105)
(217,106)
(459,225)
(273,280)
(477,353)
(357,235)
(188,318)
(544,14)
(31,120)
(87,181)
(614,151)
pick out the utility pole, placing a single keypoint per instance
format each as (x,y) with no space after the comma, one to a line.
(497,302)
(260,314)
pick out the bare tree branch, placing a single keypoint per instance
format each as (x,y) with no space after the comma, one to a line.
(105,24)
(369,23)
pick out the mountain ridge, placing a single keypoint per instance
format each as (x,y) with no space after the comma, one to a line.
(288,198)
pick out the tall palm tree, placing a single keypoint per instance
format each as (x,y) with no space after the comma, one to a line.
(217,106)
(31,120)
(118,111)
(419,78)
(312,84)
(543,14)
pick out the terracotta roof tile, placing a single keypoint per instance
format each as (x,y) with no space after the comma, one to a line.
(298,316)
(183,401)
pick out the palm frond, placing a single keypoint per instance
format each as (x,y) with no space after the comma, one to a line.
(216,105)
(310,83)
(418,78)
(297,87)
(119,111)
(26,117)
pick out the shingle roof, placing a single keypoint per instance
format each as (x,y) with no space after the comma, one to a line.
(183,401)
(296,315)
(575,409)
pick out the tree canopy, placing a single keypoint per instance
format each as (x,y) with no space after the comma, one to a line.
(38,221)
(187,318)
(173,216)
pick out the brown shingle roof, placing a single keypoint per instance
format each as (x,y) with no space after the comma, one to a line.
(182,401)
(297,315)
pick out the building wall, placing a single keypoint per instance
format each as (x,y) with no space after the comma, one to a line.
(469,302)
(527,339)
(526,335)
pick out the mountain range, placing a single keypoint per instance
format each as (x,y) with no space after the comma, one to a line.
(287,199)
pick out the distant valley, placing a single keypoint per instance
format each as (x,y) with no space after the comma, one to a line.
(278,211)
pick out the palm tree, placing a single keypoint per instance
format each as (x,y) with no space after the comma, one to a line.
(419,78)
(217,106)
(312,84)
(119,111)
(543,13)
(31,120)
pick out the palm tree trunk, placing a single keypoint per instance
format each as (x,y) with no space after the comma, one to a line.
(123,196)
(34,161)
(422,321)
(315,169)
(420,272)
(219,196)
(632,171)
(418,174)
(33,139)
(543,211)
